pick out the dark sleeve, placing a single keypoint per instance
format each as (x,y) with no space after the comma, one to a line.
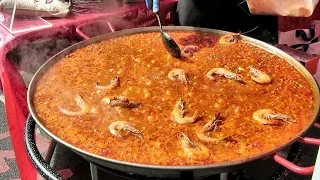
(223,15)
(188,13)
(206,13)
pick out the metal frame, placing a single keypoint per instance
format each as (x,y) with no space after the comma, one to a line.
(13,20)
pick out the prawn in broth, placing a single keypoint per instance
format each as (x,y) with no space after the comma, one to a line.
(159,129)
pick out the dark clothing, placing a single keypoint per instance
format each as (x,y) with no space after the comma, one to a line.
(223,15)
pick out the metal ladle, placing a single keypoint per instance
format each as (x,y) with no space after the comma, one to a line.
(168,42)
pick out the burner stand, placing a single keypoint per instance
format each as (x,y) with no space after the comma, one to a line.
(253,171)
(98,173)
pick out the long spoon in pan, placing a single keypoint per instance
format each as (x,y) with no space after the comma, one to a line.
(168,42)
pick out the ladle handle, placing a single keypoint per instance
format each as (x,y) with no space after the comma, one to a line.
(159,21)
(40,164)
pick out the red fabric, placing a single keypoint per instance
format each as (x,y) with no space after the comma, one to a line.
(16,115)
(12,82)
(290,30)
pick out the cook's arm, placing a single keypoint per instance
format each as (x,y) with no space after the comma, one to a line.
(153,5)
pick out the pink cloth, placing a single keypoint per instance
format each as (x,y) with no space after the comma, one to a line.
(306,40)
(302,34)
(12,83)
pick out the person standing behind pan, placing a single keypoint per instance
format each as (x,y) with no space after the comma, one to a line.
(228,15)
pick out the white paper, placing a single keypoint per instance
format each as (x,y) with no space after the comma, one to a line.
(316,172)
(41,8)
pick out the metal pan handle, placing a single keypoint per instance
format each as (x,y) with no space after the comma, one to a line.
(297,169)
(84,35)
(292,167)
(43,168)
(317,125)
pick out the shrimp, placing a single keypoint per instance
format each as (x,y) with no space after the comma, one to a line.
(259,76)
(85,108)
(177,114)
(117,126)
(212,125)
(230,38)
(178,75)
(224,72)
(114,83)
(194,151)
(233,38)
(270,117)
(189,50)
(121,101)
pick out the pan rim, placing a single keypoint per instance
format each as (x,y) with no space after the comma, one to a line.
(97,39)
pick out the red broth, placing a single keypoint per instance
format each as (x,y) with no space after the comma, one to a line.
(142,65)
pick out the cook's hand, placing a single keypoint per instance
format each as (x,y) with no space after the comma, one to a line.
(153,5)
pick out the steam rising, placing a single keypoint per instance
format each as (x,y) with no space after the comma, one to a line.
(28,58)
